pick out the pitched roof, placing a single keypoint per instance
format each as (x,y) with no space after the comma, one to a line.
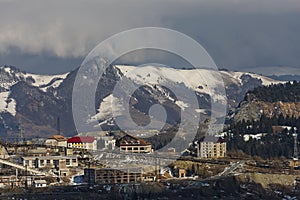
(129,140)
(81,139)
(58,137)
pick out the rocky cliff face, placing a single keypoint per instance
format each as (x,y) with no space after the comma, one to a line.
(255,109)
(256,104)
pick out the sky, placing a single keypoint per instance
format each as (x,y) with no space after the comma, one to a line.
(54,36)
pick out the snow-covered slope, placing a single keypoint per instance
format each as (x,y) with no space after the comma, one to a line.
(236,76)
(196,79)
(9,76)
(37,100)
(7,104)
(201,81)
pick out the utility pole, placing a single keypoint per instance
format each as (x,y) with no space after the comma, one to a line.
(89,174)
(58,125)
(26,184)
(296,152)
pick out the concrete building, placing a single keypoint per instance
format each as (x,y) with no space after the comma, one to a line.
(56,140)
(211,147)
(108,175)
(82,142)
(131,144)
(180,173)
(50,162)
(106,143)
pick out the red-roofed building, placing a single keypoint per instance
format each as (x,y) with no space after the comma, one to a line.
(82,142)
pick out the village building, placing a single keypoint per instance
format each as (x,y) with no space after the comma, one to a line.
(56,140)
(211,147)
(40,183)
(50,162)
(131,144)
(106,143)
(82,142)
(280,129)
(180,173)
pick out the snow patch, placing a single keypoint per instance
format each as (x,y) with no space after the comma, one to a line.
(7,104)
(208,79)
(105,109)
(42,80)
(258,136)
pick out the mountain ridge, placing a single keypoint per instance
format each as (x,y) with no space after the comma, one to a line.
(33,102)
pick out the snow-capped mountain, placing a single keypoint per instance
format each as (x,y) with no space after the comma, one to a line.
(9,76)
(34,102)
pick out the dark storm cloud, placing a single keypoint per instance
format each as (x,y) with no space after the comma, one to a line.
(51,36)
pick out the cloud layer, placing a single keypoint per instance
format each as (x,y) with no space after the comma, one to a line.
(235,32)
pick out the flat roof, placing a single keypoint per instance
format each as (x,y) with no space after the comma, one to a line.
(48,157)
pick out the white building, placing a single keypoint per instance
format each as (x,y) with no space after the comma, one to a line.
(40,183)
(211,147)
(83,142)
(61,162)
(106,143)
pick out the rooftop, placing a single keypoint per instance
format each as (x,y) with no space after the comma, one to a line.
(81,139)
(129,140)
(58,137)
(211,138)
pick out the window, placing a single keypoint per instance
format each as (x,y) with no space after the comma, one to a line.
(67,161)
(135,148)
(27,162)
(42,162)
(129,148)
(74,160)
(48,161)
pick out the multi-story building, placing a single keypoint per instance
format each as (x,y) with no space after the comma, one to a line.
(61,162)
(211,147)
(82,142)
(108,175)
(131,144)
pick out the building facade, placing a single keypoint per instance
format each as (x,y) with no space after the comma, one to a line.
(211,147)
(58,162)
(56,140)
(131,144)
(106,143)
(82,142)
(107,175)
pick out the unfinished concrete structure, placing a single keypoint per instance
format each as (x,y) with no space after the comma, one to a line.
(109,175)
